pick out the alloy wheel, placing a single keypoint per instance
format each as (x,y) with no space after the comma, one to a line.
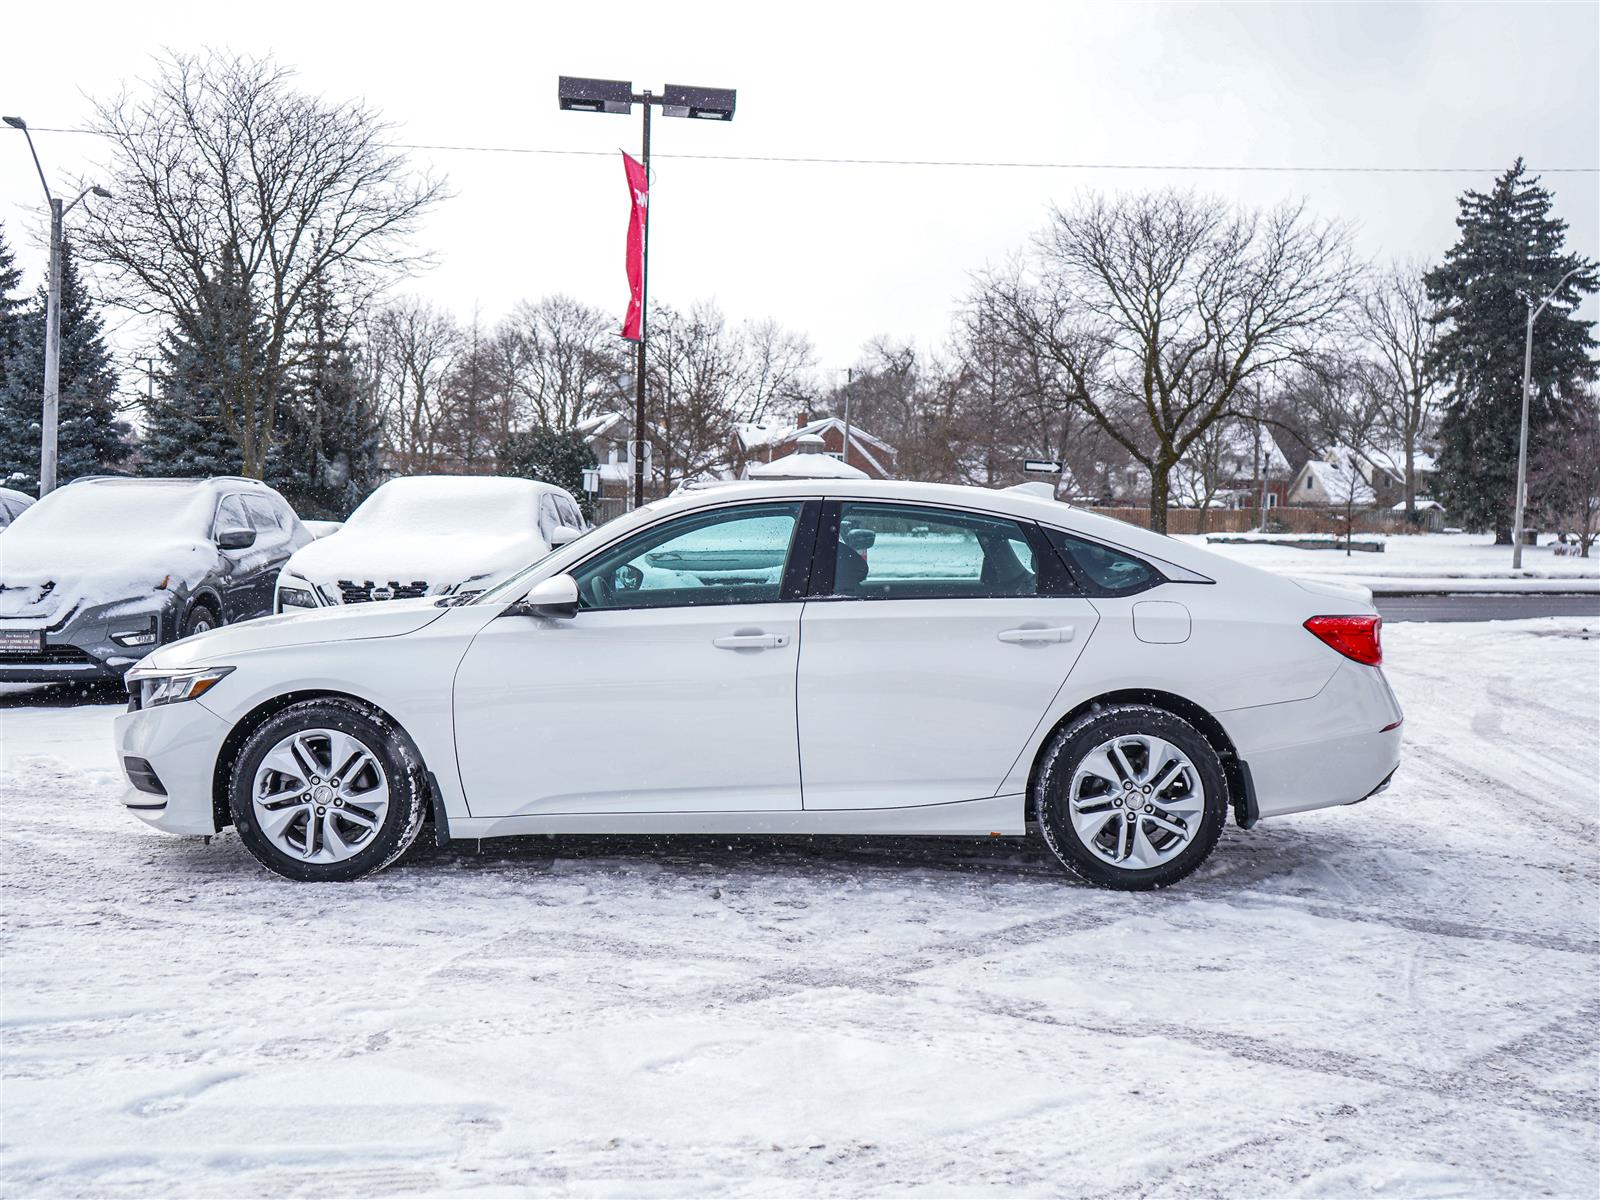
(320,795)
(1136,801)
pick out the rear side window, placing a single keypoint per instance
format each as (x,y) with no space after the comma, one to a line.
(1102,570)
(904,552)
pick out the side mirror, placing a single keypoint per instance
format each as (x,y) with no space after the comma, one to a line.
(553,597)
(562,534)
(235,539)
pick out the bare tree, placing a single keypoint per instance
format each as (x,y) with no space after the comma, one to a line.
(1159,308)
(1566,484)
(411,348)
(223,165)
(1394,320)
(561,361)
(1347,406)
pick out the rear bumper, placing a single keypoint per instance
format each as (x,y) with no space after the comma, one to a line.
(1338,747)
(180,743)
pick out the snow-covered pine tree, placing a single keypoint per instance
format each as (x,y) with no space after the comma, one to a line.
(13,426)
(90,438)
(327,460)
(183,431)
(1510,251)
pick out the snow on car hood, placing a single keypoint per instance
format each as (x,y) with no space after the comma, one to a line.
(43,576)
(337,624)
(439,560)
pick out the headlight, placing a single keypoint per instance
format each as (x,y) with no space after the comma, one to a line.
(296,597)
(152,688)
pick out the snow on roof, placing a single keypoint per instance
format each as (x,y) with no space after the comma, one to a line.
(1239,443)
(761,434)
(451,505)
(1339,482)
(1393,460)
(804,465)
(1423,505)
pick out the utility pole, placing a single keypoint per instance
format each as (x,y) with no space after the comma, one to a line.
(849,379)
(577,94)
(52,318)
(1527,393)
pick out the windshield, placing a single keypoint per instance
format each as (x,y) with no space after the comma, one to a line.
(507,588)
(449,507)
(116,511)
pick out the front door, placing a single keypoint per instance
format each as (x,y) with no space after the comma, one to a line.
(671,690)
(931,656)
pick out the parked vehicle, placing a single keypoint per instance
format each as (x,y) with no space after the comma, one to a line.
(799,657)
(101,571)
(430,535)
(12,502)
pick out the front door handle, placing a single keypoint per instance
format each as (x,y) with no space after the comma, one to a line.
(751,641)
(1037,635)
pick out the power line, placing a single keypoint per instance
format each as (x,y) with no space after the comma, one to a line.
(979,164)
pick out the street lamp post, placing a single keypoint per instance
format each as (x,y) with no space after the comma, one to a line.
(52,318)
(617,96)
(1527,392)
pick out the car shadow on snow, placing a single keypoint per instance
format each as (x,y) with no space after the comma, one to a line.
(60,695)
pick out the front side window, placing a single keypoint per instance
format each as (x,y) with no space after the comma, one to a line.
(1106,572)
(730,556)
(231,515)
(904,552)
(264,519)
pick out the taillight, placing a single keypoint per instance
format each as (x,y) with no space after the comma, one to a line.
(1353,637)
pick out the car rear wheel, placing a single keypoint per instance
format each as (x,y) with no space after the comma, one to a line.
(327,790)
(1131,797)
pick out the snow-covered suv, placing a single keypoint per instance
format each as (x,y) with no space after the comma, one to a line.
(100,572)
(431,535)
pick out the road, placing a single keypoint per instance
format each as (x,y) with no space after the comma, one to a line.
(1486,608)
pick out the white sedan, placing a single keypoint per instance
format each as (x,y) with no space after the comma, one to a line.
(805,657)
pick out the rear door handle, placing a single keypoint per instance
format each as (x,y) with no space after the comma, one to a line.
(1036,636)
(751,641)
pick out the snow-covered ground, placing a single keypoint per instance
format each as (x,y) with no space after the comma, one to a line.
(1398,998)
(1427,562)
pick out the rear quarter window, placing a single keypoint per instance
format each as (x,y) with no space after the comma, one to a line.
(1104,570)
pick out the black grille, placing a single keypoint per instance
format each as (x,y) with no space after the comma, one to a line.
(142,775)
(50,654)
(360,593)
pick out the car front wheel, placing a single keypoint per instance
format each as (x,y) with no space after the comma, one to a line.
(327,790)
(1131,797)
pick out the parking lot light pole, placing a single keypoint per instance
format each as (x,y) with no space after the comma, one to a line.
(52,318)
(1527,393)
(577,94)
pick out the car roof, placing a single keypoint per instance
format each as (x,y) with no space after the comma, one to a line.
(480,482)
(229,481)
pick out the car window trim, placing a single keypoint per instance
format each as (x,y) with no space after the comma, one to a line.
(790,587)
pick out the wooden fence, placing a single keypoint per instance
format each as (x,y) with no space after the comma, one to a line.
(1243,520)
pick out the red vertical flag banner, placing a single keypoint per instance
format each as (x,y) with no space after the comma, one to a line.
(639,196)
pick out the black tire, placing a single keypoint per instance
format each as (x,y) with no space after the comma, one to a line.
(199,618)
(402,768)
(1077,741)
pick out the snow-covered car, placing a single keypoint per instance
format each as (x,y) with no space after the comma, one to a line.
(12,502)
(101,571)
(430,535)
(748,660)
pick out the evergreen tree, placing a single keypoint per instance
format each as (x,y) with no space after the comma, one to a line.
(1509,252)
(10,306)
(184,435)
(552,455)
(326,462)
(90,440)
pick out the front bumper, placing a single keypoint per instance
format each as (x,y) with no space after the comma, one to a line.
(80,648)
(180,744)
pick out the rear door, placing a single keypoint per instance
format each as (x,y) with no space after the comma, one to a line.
(932,642)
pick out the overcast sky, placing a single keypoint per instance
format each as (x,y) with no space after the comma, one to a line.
(847,252)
